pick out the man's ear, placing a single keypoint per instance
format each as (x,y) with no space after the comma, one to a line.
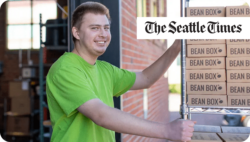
(75,33)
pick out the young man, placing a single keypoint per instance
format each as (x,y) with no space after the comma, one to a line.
(80,88)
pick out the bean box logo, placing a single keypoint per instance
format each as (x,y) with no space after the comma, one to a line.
(219,11)
(220,50)
(219,87)
(219,62)
(221,101)
(219,76)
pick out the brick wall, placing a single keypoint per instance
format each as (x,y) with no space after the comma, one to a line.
(136,56)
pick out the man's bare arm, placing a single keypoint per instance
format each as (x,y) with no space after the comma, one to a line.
(123,122)
(151,74)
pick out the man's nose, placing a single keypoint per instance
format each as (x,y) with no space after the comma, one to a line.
(103,32)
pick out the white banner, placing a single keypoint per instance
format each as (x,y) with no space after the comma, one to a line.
(193,28)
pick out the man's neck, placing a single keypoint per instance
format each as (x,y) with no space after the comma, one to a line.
(85,55)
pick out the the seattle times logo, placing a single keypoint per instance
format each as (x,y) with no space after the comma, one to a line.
(193,28)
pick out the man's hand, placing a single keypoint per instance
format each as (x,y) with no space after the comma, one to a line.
(180,130)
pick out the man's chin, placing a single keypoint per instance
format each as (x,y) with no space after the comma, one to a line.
(100,52)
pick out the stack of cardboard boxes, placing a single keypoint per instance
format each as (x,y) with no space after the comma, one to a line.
(205,64)
(238,64)
(17,119)
(218,74)
(218,71)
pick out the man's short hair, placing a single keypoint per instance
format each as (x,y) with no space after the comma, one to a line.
(87,7)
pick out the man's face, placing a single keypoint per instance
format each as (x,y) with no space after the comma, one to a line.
(94,33)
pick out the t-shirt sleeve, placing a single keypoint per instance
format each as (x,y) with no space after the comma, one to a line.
(71,89)
(123,81)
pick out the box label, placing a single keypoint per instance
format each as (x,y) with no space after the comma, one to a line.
(205,63)
(218,50)
(238,50)
(206,12)
(207,100)
(237,11)
(238,63)
(206,88)
(238,89)
(205,75)
(238,76)
(238,41)
(239,101)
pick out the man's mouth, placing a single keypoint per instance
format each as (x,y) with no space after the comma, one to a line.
(100,42)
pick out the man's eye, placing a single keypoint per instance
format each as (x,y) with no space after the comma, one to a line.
(94,28)
(107,28)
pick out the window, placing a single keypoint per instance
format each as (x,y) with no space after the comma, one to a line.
(23,22)
(162,8)
(153,8)
(141,8)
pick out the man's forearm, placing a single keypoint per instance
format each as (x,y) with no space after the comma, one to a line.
(116,120)
(159,67)
(123,122)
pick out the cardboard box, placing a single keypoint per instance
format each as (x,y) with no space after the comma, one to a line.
(18,88)
(233,137)
(205,137)
(238,89)
(206,41)
(206,11)
(205,63)
(238,41)
(238,50)
(239,101)
(206,75)
(211,50)
(18,124)
(235,130)
(241,76)
(236,63)
(207,100)
(206,88)
(237,11)
(21,105)
(207,128)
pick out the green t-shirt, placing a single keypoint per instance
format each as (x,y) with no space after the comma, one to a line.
(71,82)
